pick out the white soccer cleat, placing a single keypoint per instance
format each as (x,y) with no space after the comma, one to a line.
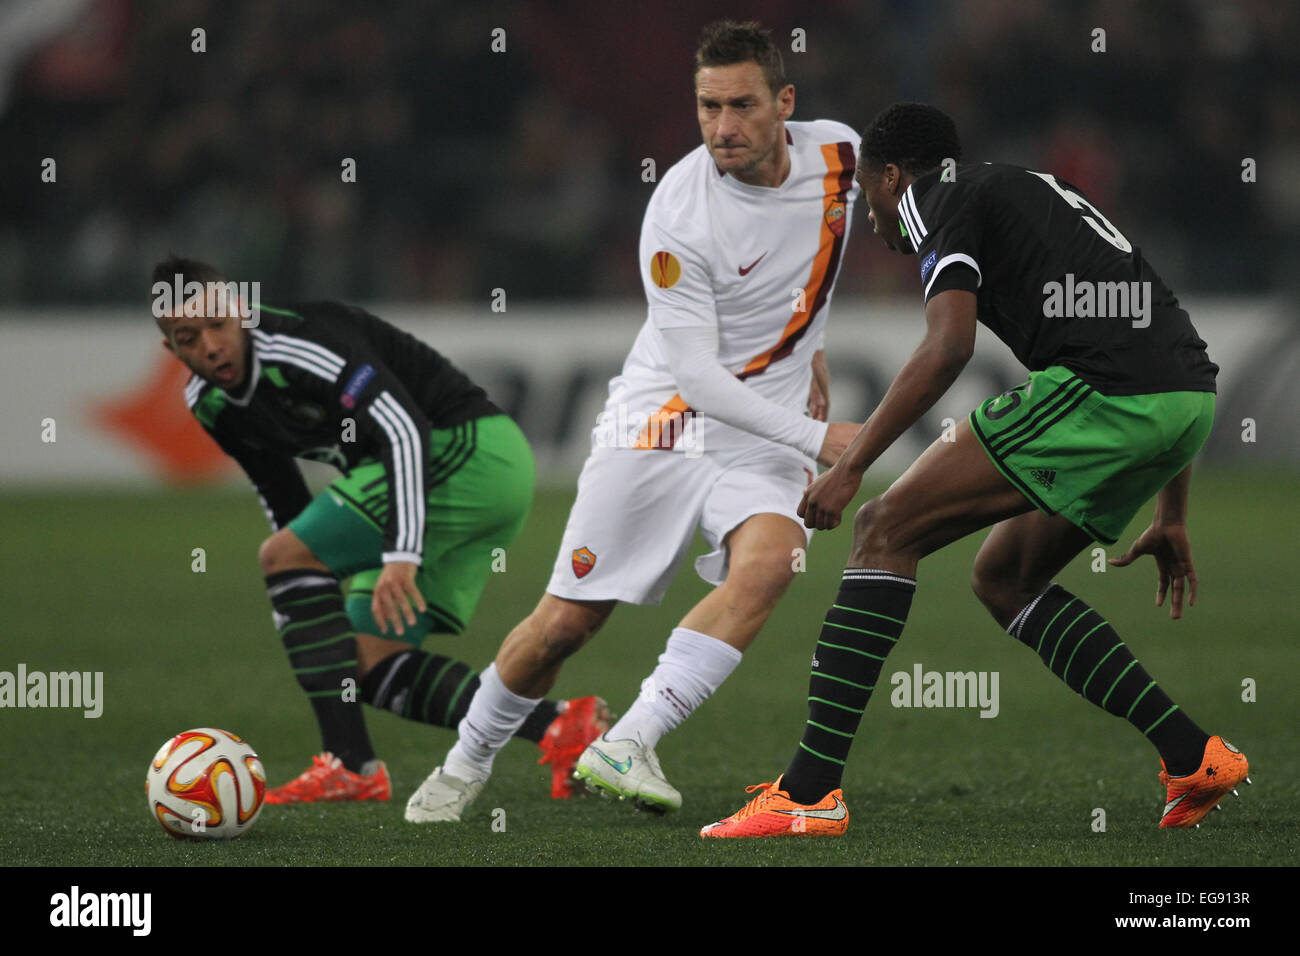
(442,798)
(628,770)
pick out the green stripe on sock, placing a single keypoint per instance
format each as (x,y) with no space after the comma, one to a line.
(829,730)
(843,681)
(1083,639)
(1158,722)
(410,698)
(1039,648)
(832,703)
(872,613)
(446,717)
(311,600)
(325,667)
(325,643)
(852,650)
(433,685)
(316,620)
(1131,665)
(845,627)
(1062,637)
(816,754)
(1139,697)
(1099,663)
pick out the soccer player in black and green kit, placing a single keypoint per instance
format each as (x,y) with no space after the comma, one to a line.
(436,480)
(1120,397)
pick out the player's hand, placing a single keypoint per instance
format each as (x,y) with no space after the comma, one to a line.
(838,437)
(819,395)
(826,498)
(396,597)
(1169,545)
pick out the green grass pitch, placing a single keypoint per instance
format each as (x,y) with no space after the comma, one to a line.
(104,583)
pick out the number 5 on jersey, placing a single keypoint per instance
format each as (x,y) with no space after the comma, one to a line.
(1093,217)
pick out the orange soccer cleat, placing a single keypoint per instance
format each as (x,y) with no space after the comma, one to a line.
(773,813)
(328,780)
(1190,798)
(582,721)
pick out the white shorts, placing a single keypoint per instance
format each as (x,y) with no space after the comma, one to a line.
(637,511)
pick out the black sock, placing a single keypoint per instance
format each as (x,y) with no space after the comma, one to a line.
(308,611)
(861,629)
(436,690)
(1082,649)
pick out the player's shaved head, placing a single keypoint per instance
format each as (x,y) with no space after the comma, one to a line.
(915,137)
(726,42)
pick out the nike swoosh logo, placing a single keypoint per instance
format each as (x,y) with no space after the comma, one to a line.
(1173,803)
(837,812)
(621,766)
(745,270)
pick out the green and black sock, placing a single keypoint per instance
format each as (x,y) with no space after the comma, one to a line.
(860,630)
(1078,646)
(433,689)
(307,608)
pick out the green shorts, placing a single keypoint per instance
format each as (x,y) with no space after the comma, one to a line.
(480,491)
(1094,458)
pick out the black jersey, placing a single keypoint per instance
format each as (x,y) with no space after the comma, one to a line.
(333,383)
(1053,279)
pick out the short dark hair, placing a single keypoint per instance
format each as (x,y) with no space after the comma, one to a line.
(726,42)
(915,137)
(190,270)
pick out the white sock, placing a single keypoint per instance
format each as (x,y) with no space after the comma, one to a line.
(494,714)
(691,668)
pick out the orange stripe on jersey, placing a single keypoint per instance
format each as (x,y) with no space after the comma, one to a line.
(840,161)
(665,425)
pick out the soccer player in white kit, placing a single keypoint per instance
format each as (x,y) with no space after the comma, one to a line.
(705,427)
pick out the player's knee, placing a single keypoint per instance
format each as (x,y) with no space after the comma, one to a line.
(999,589)
(564,628)
(284,551)
(762,576)
(871,532)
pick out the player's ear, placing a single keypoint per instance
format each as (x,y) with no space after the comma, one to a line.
(785,101)
(893,178)
(167,344)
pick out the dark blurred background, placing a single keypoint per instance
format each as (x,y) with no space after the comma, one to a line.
(522,169)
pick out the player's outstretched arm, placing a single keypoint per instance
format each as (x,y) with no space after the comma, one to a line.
(1166,540)
(706,386)
(947,347)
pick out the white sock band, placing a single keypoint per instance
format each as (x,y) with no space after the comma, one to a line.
(692,667)
(494,714)
(1018,621)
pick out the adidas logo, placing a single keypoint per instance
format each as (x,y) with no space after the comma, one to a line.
(1044,476)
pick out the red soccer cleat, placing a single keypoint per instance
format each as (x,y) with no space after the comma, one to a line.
(582,720)
(773,814)
(1188,799)
(327,780)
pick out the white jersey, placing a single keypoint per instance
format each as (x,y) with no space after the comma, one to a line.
(756,263)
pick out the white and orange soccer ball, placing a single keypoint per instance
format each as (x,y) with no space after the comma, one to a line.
(206,784)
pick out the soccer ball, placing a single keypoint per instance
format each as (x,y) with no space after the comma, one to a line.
(205,784)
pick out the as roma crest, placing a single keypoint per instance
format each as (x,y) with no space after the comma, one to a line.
(835,218)
(583,561)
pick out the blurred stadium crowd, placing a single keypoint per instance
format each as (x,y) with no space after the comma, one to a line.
(523,169)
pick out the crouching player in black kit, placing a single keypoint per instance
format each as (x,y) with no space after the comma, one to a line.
(435,479)
(1119,400)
